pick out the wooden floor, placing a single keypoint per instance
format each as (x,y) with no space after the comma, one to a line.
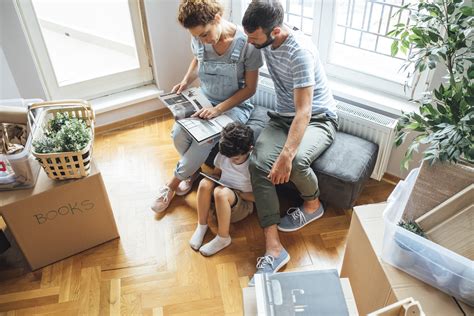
(151,270)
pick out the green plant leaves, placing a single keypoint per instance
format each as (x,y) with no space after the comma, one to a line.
(413,227)
(440,31)
(394,48)
(64,134)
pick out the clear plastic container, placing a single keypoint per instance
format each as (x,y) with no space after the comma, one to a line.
(19,171)
(420,257)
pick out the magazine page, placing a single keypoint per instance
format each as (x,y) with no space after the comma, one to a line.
(317,292)
(186,103)
(203,130)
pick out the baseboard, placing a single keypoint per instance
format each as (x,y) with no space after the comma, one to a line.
(390,178)
(130,121)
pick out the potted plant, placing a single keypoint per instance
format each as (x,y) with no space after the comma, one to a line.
(439,34)
(63,139)
(64,134)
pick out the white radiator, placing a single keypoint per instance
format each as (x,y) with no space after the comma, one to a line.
(354,120)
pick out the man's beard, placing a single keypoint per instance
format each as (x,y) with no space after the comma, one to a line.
(269,41)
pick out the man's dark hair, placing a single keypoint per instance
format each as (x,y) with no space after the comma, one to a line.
(236,139)
(265,14)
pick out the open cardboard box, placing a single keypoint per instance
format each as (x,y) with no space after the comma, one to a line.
(57,219)
(376,283)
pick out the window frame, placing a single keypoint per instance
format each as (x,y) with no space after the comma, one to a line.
(323,36)
(325,40)
(91,88)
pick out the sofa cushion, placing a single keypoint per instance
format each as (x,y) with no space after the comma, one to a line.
(343,169)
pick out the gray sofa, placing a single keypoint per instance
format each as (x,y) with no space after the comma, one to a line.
(342,170)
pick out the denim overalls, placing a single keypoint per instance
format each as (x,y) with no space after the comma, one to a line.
(219,81)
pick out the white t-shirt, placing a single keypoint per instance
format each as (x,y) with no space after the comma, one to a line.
(234,176)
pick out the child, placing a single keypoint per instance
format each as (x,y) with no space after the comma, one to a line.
(234,201)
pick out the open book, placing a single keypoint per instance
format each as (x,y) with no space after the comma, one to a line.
(186,104)
(311,293)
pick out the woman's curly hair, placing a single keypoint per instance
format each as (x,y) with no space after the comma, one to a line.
(193,13)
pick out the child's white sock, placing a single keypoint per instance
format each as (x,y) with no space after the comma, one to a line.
(215,245)
(196,240)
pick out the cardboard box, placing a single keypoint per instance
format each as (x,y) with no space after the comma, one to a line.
(57,219)
(377,284)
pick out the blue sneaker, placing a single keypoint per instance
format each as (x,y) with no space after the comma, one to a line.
(270,264)
(297,218)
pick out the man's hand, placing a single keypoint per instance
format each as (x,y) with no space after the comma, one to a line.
(281,169)
(207,113)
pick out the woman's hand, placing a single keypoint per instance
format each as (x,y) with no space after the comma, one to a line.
(180,87)
(207,113)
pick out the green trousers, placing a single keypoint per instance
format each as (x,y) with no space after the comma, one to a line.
(318,136)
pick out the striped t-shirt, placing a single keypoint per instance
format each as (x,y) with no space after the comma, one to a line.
(296,64)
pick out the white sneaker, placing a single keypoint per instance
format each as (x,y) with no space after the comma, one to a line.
(186,185)
(163,200)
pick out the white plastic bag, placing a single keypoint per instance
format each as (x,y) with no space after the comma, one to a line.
(398,199)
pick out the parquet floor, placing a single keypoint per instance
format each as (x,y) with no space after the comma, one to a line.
(151,270)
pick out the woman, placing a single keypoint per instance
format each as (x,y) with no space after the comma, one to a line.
(227,67)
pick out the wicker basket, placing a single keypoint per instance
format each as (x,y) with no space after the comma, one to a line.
(64,165)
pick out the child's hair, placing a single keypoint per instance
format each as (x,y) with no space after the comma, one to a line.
(192,13)
(236,139)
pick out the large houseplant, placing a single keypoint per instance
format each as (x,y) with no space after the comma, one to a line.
(439,34)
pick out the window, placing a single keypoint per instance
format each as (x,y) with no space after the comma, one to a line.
(88,48)
(352,41)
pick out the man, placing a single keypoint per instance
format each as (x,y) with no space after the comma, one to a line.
(300,129)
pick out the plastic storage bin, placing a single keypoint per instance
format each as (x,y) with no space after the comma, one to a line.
(420,257)
(19,171)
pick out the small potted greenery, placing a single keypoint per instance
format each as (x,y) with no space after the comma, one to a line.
(439,34)
(65,134)
(63,141)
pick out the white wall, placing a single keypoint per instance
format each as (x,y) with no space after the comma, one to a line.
(170,42)
(18,54)
(8,88)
